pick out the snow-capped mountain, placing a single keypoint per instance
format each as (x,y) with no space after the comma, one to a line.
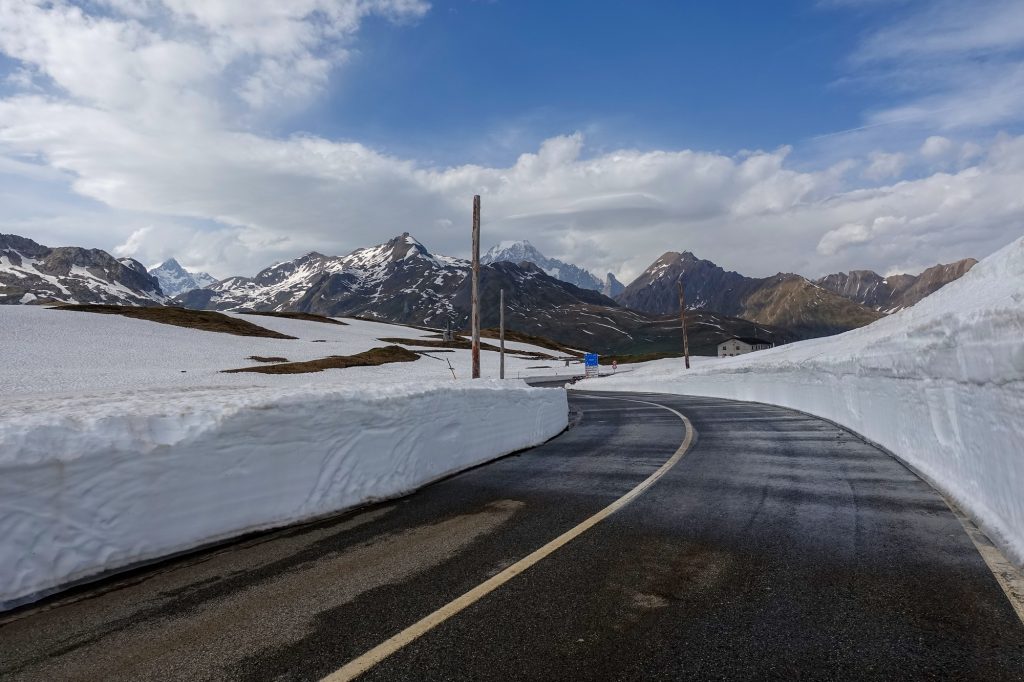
(524,251)
(399,280)
(175,279)
(33,273)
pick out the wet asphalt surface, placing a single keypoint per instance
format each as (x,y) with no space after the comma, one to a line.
(779,547)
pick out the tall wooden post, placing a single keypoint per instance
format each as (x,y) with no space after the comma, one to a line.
(501,331)
(682,322)
(475,296)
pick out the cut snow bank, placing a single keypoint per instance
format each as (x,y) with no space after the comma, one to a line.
(96,484)
(940,384)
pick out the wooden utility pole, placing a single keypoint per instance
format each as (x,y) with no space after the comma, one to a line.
(475,296)
(682,322)
(501,331)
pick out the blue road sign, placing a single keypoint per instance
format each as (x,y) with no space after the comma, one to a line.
(590,360)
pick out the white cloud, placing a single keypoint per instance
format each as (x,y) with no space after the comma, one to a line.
(146,112)
(955,65)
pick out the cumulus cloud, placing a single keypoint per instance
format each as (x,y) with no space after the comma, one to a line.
(936,146)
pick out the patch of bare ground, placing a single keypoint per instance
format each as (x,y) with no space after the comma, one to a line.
(460,342)
(368,358)
(203,320)
(264,358)
(308,317)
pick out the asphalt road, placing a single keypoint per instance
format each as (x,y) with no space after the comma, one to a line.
(779,546)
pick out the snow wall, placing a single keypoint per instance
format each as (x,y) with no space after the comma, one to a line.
(940,385)
(92,488)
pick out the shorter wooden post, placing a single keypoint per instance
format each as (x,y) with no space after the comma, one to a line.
(501,331)
(475,290)
(682,323)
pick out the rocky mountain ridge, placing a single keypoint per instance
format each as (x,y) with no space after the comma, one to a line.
(784,300)
(895,292)
(33,273)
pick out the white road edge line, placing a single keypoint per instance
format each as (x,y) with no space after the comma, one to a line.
(360,665)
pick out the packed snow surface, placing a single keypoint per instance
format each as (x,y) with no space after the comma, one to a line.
(121,441)
(940,384)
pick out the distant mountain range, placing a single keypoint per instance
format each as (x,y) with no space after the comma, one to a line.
(401,281)
(175,279)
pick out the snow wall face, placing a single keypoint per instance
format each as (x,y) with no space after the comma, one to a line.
(940,385)
(83,495)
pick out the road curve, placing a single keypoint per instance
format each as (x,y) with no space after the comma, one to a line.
(779,546)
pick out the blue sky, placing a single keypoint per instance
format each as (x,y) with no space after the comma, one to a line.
(477,81)
(809,136)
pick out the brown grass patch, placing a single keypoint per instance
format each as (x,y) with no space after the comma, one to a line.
(369,358)
(308,317)
(262,358)
(203,320)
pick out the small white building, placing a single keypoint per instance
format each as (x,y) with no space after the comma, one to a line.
(738,345)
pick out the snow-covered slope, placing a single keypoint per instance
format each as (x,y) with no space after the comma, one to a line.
(121,441)
(175,279)
(519,251)
(940,384)
(31,273)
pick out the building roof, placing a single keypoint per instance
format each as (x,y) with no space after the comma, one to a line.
(750,340)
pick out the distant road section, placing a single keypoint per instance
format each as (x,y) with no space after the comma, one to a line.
(778,546)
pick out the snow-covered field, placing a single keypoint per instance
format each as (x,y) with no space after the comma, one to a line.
(121,441)
(941,385)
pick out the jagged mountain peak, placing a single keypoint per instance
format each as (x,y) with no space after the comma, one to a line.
(612,286)
(170,264)
(174,279)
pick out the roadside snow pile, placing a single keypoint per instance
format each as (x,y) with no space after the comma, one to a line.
(940,384)
(110,455)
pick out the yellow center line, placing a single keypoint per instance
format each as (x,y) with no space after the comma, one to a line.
(360,665)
